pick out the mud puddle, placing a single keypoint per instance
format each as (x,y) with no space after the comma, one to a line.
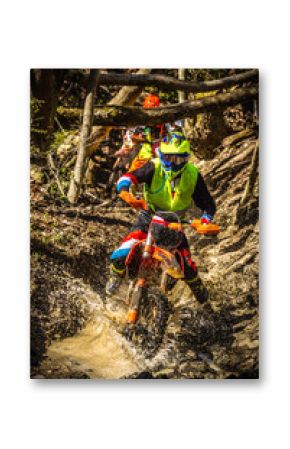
(98,350)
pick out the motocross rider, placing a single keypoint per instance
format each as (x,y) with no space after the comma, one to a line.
(147,137)
(171,184)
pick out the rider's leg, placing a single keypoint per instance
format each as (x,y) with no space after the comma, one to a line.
(118,257)
(115,279)
(191,274)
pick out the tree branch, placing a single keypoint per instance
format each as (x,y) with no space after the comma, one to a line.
(54,171)
(170,83)
(134,116)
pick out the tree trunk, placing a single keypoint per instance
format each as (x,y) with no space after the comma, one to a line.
(80,166)
(181,77)
(45,88)
(182,97)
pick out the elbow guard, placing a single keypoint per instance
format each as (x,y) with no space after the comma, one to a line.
(124,183)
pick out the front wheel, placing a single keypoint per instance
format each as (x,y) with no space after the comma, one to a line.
(148,331)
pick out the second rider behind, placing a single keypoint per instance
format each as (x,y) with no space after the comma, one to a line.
(144,141)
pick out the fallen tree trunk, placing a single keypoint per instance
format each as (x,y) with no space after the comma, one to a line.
(134,116)
(114,114)
(79,170)
(170,83)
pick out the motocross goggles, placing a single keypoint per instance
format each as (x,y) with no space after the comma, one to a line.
(173,162)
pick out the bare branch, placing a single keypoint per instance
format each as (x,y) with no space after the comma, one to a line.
(170,83)
(55,173)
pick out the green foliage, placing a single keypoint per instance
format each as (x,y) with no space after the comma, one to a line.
(59,138)
(35,118)
(208,74)
(35,105)
(54,192)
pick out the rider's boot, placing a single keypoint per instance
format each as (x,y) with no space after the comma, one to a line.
(198,289)
(115,280)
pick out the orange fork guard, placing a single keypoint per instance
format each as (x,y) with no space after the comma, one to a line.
(205,229)
(140,282)
(132,317)
(133,312)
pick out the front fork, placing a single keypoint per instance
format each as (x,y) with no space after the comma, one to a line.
(135,301)
(140,283)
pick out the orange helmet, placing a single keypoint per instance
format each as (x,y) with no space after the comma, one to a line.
(151,101)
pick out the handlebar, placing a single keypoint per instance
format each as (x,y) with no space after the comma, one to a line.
(200,228)
(204,228)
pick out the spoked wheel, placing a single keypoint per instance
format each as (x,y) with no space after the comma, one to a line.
(147,334)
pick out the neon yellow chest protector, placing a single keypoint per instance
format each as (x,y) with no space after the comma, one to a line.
(162,195)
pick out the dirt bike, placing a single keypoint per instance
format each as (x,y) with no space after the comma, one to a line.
(155,261)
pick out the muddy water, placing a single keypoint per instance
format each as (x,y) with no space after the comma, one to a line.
(198,343)
(98,350)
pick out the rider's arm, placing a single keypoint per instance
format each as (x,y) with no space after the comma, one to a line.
(138,176)
(203,198)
